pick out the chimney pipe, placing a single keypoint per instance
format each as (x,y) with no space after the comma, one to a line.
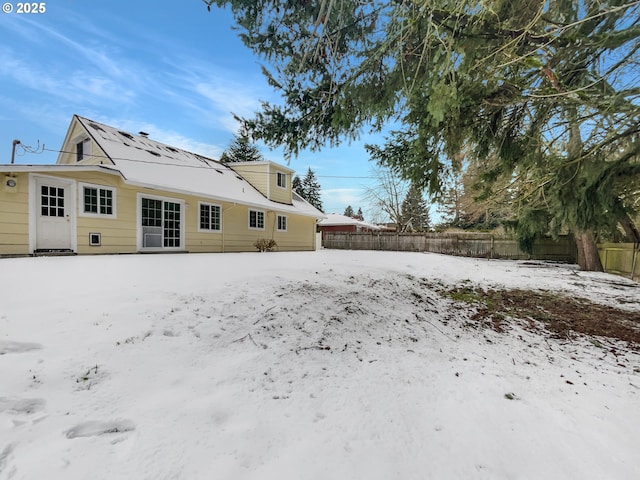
(13,150)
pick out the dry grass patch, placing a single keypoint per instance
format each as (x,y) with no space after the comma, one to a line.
(563,316)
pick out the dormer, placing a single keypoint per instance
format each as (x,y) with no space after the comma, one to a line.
(269,178)
(79,147)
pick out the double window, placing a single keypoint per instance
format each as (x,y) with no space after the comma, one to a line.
(97,200)
(210,217)
(282,223)
(256,219)
(281,179)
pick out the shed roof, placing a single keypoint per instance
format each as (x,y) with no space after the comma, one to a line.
(335,219)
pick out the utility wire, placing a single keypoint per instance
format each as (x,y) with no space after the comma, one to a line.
(208,167)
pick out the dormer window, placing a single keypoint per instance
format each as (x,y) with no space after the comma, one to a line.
(83,149)
(281,179)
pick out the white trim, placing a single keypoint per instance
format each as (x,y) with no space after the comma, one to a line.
(286,223)
(264,219)
(82,213)
(209,230)
(33,209)
(268,182)
(183,217)
(98,236)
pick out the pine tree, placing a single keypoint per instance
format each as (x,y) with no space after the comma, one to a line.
(348,212)
(241,150)
(296,186)
(415,211)
(359,215)
(311,190)
(547,88)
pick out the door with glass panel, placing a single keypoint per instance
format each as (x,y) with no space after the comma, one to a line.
(54,214)
(161,223)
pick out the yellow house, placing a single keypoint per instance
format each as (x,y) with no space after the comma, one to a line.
(111,191)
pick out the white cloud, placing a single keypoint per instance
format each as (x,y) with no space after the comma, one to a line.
(215,93)
(77,85)
(91,54)
(189,144)
(339,198)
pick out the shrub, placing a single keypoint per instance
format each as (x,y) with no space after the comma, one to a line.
(265,244)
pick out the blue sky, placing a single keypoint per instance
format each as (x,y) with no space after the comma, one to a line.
(169,68)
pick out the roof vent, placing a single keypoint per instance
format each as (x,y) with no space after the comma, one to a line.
(143,134)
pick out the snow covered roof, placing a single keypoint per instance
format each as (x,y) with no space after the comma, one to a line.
(264,162)
(148,163)
(334,219)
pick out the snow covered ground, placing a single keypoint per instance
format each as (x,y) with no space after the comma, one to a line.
(322,365)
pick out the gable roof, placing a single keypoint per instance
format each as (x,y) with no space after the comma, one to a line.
(335,219)
(148,163)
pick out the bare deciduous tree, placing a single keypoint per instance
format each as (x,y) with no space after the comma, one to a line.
(386,195)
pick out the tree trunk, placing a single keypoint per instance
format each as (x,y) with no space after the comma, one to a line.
(588,257)
(630,229)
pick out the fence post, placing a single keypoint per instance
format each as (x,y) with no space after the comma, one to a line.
(491,248)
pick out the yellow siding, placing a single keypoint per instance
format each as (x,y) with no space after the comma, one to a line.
(263,176)
(119,234)
(257,175)
(279,194)
(300,234)
(68,157)
(14,216)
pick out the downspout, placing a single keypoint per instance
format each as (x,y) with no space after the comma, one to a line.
(273,225)
(223,217)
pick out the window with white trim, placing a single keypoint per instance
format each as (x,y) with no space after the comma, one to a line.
(83,149)
(210,216)
(256,219)
(161,224)
(282,223)
(281,179)
(97,200)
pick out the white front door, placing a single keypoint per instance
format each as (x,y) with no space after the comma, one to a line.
(54,214)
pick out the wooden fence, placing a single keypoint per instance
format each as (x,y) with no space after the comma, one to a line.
(481,245)
(621,258)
